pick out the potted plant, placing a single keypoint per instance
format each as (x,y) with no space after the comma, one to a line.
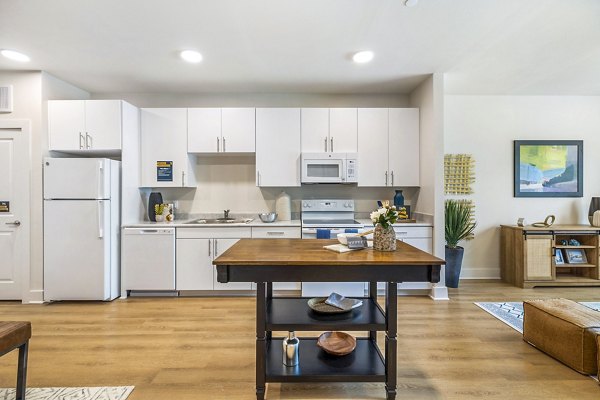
(384,236)
(459,226)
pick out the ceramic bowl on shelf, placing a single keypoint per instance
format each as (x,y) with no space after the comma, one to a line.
(268,217)
(337,343)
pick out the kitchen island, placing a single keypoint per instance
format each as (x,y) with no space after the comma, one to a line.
(265,261)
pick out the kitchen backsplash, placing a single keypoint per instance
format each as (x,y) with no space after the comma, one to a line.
(228,182)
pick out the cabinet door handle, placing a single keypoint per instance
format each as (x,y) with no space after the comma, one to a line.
(209,253)
(224,148)
(258,178)
(87,144)
(325,145)
(218,144)
(392,174)
(331,141)
(81,139)
(216,247)
(183,178)
(386,180)
(273,233)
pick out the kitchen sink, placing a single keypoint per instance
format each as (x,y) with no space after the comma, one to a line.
(219,221)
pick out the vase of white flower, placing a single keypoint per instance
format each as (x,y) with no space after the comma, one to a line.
(384,237)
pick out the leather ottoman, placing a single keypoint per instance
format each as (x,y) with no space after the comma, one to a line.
(564,330)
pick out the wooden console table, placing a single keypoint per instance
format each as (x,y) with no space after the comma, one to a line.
(265,261)
(528,255)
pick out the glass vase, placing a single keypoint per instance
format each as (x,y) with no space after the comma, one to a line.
(384,239)
(398,199)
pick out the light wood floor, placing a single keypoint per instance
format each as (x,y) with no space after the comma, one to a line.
(203,348)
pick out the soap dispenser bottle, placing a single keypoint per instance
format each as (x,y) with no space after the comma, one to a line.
(291,348)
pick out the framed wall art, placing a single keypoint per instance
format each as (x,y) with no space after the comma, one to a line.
(548,168)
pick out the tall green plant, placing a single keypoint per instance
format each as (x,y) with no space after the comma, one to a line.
(459,222)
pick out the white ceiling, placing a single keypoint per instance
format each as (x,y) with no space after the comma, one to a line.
(304,46)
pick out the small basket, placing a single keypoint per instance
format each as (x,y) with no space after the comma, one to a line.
(318,305)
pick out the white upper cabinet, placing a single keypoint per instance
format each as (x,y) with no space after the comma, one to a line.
(204,130)
(373,147)
(329,130)
(165,160)
(315,130)
(404,147)
(388,147)
(85,125)
(239,130)
(278,147)
(221,130)
(343,130)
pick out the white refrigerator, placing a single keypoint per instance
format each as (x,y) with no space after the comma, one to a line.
(81,228)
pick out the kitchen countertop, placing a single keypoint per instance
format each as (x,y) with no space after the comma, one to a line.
(183,224)
(368,223)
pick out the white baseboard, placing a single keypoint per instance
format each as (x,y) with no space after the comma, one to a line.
(480,273)
(35,297)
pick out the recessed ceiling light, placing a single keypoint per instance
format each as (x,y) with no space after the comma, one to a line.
(191,56)
(362,57)
(14,55)
(411,3)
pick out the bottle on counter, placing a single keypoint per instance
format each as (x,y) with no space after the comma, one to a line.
(291,349)
(283,207)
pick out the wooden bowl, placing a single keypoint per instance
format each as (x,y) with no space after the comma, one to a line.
(337,343)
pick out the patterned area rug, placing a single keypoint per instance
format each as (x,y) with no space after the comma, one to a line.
(71,393)
(511,313)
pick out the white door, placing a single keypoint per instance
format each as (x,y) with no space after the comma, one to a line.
(66,124)
(76,250)
(278,147)
(103,124)
(315,130)
(194,264)
(343,136)
(373,147)
(404,147)
(77,178)
(204,130)
(220,246)
(14,209)
(239,130)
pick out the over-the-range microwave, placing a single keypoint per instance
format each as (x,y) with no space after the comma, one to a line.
(329,167)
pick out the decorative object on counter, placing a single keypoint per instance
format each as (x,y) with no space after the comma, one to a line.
(547,222)
(318,305)
(403,212)
(459,225)
(283,206)
(398,199)
(594,208)
(154,199)
(158,212)
(337,343)
(384,237)
(459,173)
(521,222)
(575,256)
(548,168)
(268,217)
(558,257)
(291,350)
(341,302)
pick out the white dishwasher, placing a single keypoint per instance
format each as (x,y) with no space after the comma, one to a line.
(148,259)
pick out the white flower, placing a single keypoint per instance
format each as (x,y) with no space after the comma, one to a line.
(375,216)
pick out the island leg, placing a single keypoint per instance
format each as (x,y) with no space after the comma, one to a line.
(391,341)
(261,340)
(373,297)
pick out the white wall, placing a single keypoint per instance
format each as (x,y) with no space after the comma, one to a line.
(485,126)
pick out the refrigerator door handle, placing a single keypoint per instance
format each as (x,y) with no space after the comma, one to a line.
(100,219)
(101,191)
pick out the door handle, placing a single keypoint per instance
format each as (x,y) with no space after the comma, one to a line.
(331,141)
(183,178)
(216,249)
(81,139)
(392,173)
(87,144)
(217,144)
(224,148)
(100,219)
(209,252)
(386,174)
(325,145)
(15,223)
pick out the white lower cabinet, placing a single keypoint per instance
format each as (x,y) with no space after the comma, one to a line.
(196,250)
(275,232)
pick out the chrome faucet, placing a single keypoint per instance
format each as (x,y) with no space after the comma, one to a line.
(226,213)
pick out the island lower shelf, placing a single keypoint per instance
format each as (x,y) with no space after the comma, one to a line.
(364,364)
(294,314)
